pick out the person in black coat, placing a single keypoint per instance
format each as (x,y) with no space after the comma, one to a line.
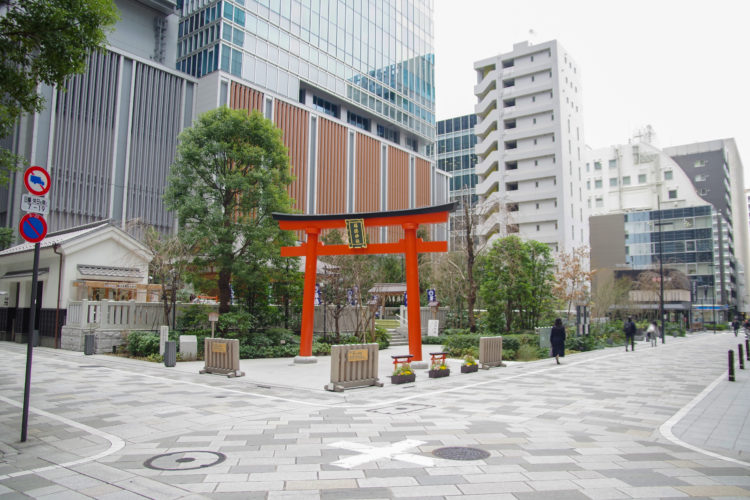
(557,339)
(630,330)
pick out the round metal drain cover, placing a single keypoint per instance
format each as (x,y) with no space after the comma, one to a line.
(185,460)
(460,453)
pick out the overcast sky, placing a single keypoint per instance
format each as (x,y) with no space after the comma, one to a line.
(682,66)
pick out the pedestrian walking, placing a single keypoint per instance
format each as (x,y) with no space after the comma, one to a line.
(629,329)
(653,333)
(736,326)
(557,339)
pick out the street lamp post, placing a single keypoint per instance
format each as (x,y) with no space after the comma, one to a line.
(661,270)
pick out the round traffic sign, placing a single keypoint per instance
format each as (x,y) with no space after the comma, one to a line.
(33,228)
(37,180)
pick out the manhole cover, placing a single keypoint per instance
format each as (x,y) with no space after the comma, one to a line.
(395,410)
(185,460)
(460,453)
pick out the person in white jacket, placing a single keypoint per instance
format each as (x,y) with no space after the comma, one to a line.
(653,333)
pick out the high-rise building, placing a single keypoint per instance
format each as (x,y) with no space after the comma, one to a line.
(351,84)
(530,145)
(684,197)
(455,155)
(109,138)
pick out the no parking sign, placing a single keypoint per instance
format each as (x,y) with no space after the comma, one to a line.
(33,228)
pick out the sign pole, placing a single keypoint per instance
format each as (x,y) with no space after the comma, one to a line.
(30,347)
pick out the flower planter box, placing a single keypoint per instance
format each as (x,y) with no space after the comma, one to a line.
(439,373)
(403,379)
(469,368)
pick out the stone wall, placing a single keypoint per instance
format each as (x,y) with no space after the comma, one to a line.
(105,340)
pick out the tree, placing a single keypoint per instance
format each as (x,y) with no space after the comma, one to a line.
(44,41)
(231,173)
(516,284)
(610,293)
(168,266)
(573,277)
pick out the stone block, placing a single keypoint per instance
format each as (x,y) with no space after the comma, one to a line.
(188,347)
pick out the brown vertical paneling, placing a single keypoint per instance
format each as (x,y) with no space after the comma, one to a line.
(294,124)
(422,177)
(242,97)
(367,187)
(331,194)
(398,187)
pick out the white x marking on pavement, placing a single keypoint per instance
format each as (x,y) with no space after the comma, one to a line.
(371,453)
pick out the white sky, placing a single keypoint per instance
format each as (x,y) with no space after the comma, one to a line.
(682,66)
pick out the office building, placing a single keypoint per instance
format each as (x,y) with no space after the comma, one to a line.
(454,154)
(686,201)
(109,138)
(530,145)
(351,84)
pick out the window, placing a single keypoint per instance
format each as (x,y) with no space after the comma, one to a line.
(672,194)
(701,178)
(598,184)
(597,165)
(537,227)
(599,202)
(641,178)
(700,163)
(588,167)
(626,180)
(613,182)
(588,184)
(667,175)
(612,163)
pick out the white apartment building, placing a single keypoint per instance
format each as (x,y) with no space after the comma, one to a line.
(530,146)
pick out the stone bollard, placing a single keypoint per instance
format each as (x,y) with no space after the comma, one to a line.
(730,356)
(741,356)
(163,337)
(747,348)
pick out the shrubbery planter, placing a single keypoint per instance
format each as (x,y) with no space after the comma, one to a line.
(439,373)
(469,368)
(403,379)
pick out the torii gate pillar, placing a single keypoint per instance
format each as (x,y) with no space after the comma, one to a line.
(412,291)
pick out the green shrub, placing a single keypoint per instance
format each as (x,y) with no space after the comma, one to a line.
(583,343)
(438,340)
(527,352)
(457,345)
(382,337)
(321,349)
(456,331)
(509,354)
(142,344)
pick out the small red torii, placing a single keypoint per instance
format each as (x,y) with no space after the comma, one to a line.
(357,223)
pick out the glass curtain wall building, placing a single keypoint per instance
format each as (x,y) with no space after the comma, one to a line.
(369,63)
(694,240)
(455,155)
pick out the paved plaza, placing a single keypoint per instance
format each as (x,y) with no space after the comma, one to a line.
(659,422)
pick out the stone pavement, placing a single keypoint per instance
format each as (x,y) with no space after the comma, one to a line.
(655,423)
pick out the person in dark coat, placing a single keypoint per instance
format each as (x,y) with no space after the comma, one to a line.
(557,339)
(629,328)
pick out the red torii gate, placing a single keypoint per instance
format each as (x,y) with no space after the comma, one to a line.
(410,246)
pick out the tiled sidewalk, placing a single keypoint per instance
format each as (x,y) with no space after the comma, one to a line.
(588,428)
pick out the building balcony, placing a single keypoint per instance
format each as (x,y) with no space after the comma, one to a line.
(484,125)
(528,110)
(489,182)
(494,223)
(485,104)
(527,153)
(533,216)
(485,145)
(528,132)
(485,166)
(530,194)
(485,85)
(526,69)
(535,88)
(529,173)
